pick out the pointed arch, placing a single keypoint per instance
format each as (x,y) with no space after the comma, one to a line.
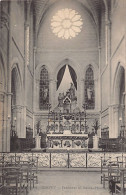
(118,83)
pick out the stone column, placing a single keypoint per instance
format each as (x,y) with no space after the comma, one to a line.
(36,96)
(111,121)
(95,142)
(26,64)
(52,91)
(99,86)
(124,107)
(97,99)
(80,92)
(2,130)
(116,128)
(38,142)
(18,122)
(34,90)
(7,99)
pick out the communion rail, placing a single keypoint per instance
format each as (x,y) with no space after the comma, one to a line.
(68,159)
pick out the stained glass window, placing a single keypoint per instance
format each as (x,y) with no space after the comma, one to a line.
(89,88)
(44,89)
(66,23)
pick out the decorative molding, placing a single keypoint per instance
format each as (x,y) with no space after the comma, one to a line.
(40,50)
(17,107)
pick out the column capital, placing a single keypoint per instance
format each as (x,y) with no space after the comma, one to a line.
(17,107)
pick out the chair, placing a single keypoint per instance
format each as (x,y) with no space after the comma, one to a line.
(109,175)
(12,181)
(34,162)
(28,175)
(113,177)
(121,187)
(104,169)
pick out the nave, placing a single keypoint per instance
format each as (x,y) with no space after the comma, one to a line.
(69,183)
(29,176)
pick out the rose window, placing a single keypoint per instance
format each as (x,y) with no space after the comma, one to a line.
(66,23)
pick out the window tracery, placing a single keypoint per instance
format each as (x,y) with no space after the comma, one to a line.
(44,89)
(89,88)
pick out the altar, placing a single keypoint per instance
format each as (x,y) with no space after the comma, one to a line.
(66,133)
(67,124)
(64,141)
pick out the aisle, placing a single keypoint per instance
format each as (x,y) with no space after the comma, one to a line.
(69,183)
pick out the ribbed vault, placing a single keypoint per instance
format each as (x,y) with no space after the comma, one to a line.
(94,7)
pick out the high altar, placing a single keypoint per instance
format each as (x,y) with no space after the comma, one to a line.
(66,124)
(66,132)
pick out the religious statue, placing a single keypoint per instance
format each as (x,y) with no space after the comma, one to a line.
(89,93)
(72,91)
(45,93)
(60,99)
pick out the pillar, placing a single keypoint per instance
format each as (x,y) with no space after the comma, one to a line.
(34,91)
(80,92)
(26,64)
(97,99)
(115,130)
(111,120)
(125,107)
(2,130)
(52,91)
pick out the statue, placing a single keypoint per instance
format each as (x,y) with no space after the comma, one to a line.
(89,93)
(45,93)
(72,91)
(60,99)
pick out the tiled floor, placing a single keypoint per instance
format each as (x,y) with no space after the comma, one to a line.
(68,183)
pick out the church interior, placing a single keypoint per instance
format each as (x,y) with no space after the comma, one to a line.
(62,86)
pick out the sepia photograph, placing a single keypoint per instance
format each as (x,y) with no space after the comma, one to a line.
(62,97)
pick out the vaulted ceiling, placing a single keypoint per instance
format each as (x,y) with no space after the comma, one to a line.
(94,7)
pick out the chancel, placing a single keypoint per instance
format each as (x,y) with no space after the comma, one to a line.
(63,84)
